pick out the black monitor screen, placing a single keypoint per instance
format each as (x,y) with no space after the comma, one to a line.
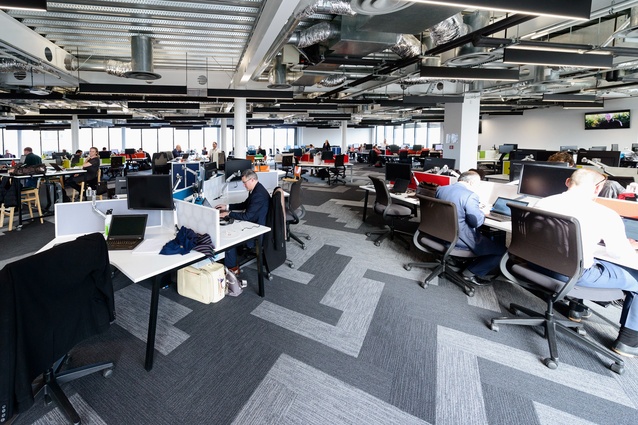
(543,180)
(572,148)
(431,162)
(129,151)
(327,155)
(368,146)
(210,169)
(417,147)
(516,167)
(104,154)
(609,158)
(149,192)
(235,167)
(395,170)
(507,148)
(297,152)
(56,155)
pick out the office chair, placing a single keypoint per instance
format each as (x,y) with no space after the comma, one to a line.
(394,148)
(383,206)
(437,235)
(404,157)
(57,310)
(274,242)
(338,171)
(295,211)
(287,163)
(545,257)
(117,166)
(160,163)
(93,184)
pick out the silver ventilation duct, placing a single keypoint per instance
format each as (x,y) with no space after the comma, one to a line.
(110,66)
(333,80)
(330,7)
(277,76)
(408,46)
(315,34)
(448,30)
(142,59)
(468,54)
(12,65)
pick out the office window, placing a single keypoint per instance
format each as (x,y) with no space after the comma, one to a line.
(149,140)
(132,138)
(408,134)
(230,140)
(211,134)
(434,133)
(421,134)
(101,138)
(165,139)
(397,131)
(195,140)
(267,139)
(180,137)
(49,142)
(115,139)
(31,138)
(10,138)
(253,138)
(85,139)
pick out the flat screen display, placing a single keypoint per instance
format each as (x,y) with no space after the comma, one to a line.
(543,180)
(516,167)
(395,170)
(432,162)
(149,192)
(607,120)
(236,166)
(609,158)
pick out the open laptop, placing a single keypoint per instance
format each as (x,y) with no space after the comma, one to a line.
(631,227)
(400,186)
(56,167)
(126,231)
(500,211)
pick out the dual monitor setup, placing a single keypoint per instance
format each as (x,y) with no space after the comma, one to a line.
(600,154)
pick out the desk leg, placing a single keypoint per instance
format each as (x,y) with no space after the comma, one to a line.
(152,322)
(260,268)
(365,204)
(18,190)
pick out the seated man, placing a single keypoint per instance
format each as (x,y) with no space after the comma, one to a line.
(92,166)
(253,209)
(597,223)
(75,159)
(470,217)
(30,159)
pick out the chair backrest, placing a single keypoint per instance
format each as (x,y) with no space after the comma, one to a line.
(546,239)
(340,160)
(394,148)
(294,200)
(117,161)
(382,195)
(403,154)
(439,219)
(287,160)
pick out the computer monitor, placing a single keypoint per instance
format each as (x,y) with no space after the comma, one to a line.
(507,148)
(149,192)
(104,154)
(569,148)
(297,151)
(543,180)
(368,146)
(185,156)
(129,151)
(438,147)
(516,166)
(417,147)
(327,155)
(534,154)
(236,167)
(210,169)
(75,159)
(56,155)
(598,148)
(634,147)
(430,162)
(396,170)
(609,158)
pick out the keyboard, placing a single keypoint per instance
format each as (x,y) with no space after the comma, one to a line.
(118,245)
(498,217)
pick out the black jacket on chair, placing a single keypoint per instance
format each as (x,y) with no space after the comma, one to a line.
(49,302)
(275,241)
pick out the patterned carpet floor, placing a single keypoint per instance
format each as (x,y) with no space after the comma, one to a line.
(347,336)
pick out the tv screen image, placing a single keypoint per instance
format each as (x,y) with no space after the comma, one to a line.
(149,192)
(607,120)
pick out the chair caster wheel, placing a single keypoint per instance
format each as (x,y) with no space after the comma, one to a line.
(550,363)
(423,285)
(291,265)
(270,276)
(368,233)
(107,373)
(513,311)
(407,267)
(303,246)
(494,327)
(377,243)
(470,292)
(618,368)
(308,237)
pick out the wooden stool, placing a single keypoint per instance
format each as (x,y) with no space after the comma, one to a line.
(32,196)
(9,210)
(83,185)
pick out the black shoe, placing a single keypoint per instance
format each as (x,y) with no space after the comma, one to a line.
(577,316)
(478,281)
(624,350)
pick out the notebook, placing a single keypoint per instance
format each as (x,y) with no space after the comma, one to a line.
(500,211)
(126,231)
(400,186)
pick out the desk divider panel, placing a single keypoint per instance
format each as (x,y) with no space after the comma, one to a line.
(622,207)
(213,188)
(78,217)
(434,178)
(199,218)
(489,191)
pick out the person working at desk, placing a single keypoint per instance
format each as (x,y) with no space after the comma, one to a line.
(471,217)
(91,165)
(8,154)
(30,158)
(254,209)
(599,223)
(177,152)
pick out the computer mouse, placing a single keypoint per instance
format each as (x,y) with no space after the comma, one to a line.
(226,220)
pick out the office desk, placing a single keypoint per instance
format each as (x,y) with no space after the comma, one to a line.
(408,198)
(330,165)
(500,178)
(141,266)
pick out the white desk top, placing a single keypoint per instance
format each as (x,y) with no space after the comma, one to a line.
(409,198)
(323,165)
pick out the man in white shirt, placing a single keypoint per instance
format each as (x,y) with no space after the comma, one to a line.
(599,223)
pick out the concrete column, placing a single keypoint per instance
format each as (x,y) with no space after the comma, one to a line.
(344,137)
(240,128)
(460,131)
(75,133)
(223,145)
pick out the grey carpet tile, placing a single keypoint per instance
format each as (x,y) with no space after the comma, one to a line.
(549,416)
(132,306)
(88,415)
(486,298)
(499,404)
(296,393)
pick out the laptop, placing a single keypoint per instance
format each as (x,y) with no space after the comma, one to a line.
(631,227)
(126,231)
(500,211)
(400,186)
(56,167)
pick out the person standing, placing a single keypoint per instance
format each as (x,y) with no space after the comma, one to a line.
(471,217)
(599,223)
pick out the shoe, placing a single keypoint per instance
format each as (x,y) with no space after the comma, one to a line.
(477,280)
(577,316)
(624,350)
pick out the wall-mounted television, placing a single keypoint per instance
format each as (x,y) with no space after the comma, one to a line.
(607,120)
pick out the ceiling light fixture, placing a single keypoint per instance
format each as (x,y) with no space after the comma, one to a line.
(37,5)
(489,74)
(552,58)
(562,97)
(565,9)
(581,105)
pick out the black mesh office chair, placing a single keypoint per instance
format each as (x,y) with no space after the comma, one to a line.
(287,164)
(295,211)
(160,162)
(545,257)
(404,157)
(390,211)
(338,172)
(57,310)
(437,235)
(117,166)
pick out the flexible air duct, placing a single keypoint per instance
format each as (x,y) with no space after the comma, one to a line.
(334,7)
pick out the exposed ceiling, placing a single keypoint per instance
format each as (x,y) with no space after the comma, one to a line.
(299,62)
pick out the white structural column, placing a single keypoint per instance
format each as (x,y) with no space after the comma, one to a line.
(240,128)
(344,137)
(460,131)
(75,133)
(223,145)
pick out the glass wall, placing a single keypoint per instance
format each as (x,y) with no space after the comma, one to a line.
(49,142)
(149,140)
(10,142)
(164,140)
(101,138)
(115,139)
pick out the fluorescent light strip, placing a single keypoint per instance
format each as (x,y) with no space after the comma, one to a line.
(599,105)
(558,49)
(551,58)
(580,8)
(485,74)
(558,97)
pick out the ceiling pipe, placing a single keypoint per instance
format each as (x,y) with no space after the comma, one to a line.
(330,7)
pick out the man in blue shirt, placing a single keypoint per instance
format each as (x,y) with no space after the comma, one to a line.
(470,217)
(254,209)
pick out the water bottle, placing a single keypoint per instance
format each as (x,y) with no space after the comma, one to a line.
(107,222)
